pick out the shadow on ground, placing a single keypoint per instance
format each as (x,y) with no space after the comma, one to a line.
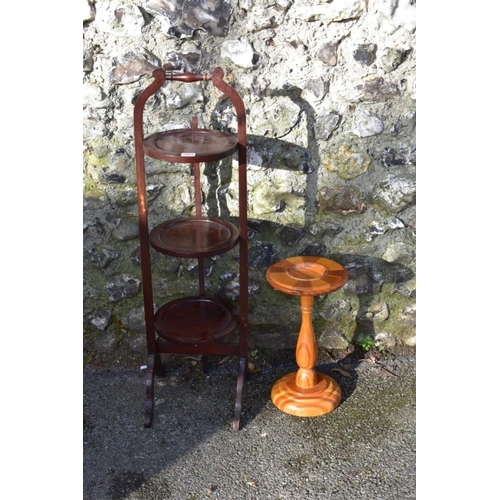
(120,454)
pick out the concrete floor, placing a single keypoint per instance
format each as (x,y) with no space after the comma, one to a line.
(363,450)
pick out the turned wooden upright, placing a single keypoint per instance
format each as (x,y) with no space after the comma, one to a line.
(306,393)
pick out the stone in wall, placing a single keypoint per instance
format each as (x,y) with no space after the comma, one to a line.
(129,21)
(334,339)
(94,124)
(325,125)
(129,66)
(291,235)
(135,320)
(99,256)
(382,226)
(106,343)
(264,14)
(385,340)
(365,54)
(95,199)
(98,320)
(346,163)
(180,18)
(328,53)
(229,287)
(390,157)
(366,125)
(127,229)
(291,156)
(390,16)
(395,192)
(362,279)
(240,52)
(401,248)
(374,313)
(88,60)
(339,10)
(334,309)
(408,316)
(265,199)
(404,124)
(315,89)
(400,252)
(113,178)
(404,282)
(342,200)
(262,255)
(180,95)
(122,287)
(375,90)
(268,153)
(390,58)
(187,61)
(94,97)
(273,117)
(317,249)
(329,88)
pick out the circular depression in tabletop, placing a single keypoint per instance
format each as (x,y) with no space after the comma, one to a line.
(194,237)
(306,275)
(190,146)
(196,320)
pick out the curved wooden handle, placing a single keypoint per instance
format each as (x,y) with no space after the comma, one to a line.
(187,77)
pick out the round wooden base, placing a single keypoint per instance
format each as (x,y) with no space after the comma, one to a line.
(288,397)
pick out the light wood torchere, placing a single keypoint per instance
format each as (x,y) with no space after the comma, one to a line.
(306,393)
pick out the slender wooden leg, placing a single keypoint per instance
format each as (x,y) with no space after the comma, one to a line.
(155,368)
(306,351)
(159,366)
(239,393)
(204,360)
(150,391)
(306,393)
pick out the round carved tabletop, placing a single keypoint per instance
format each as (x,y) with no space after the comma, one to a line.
(306,275)
(190,146)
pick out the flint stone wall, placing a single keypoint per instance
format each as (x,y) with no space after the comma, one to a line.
(329,88)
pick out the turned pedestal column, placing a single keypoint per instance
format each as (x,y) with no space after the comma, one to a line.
(306,393)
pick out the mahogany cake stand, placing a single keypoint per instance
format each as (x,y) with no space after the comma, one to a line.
(200,323)
(306,393)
